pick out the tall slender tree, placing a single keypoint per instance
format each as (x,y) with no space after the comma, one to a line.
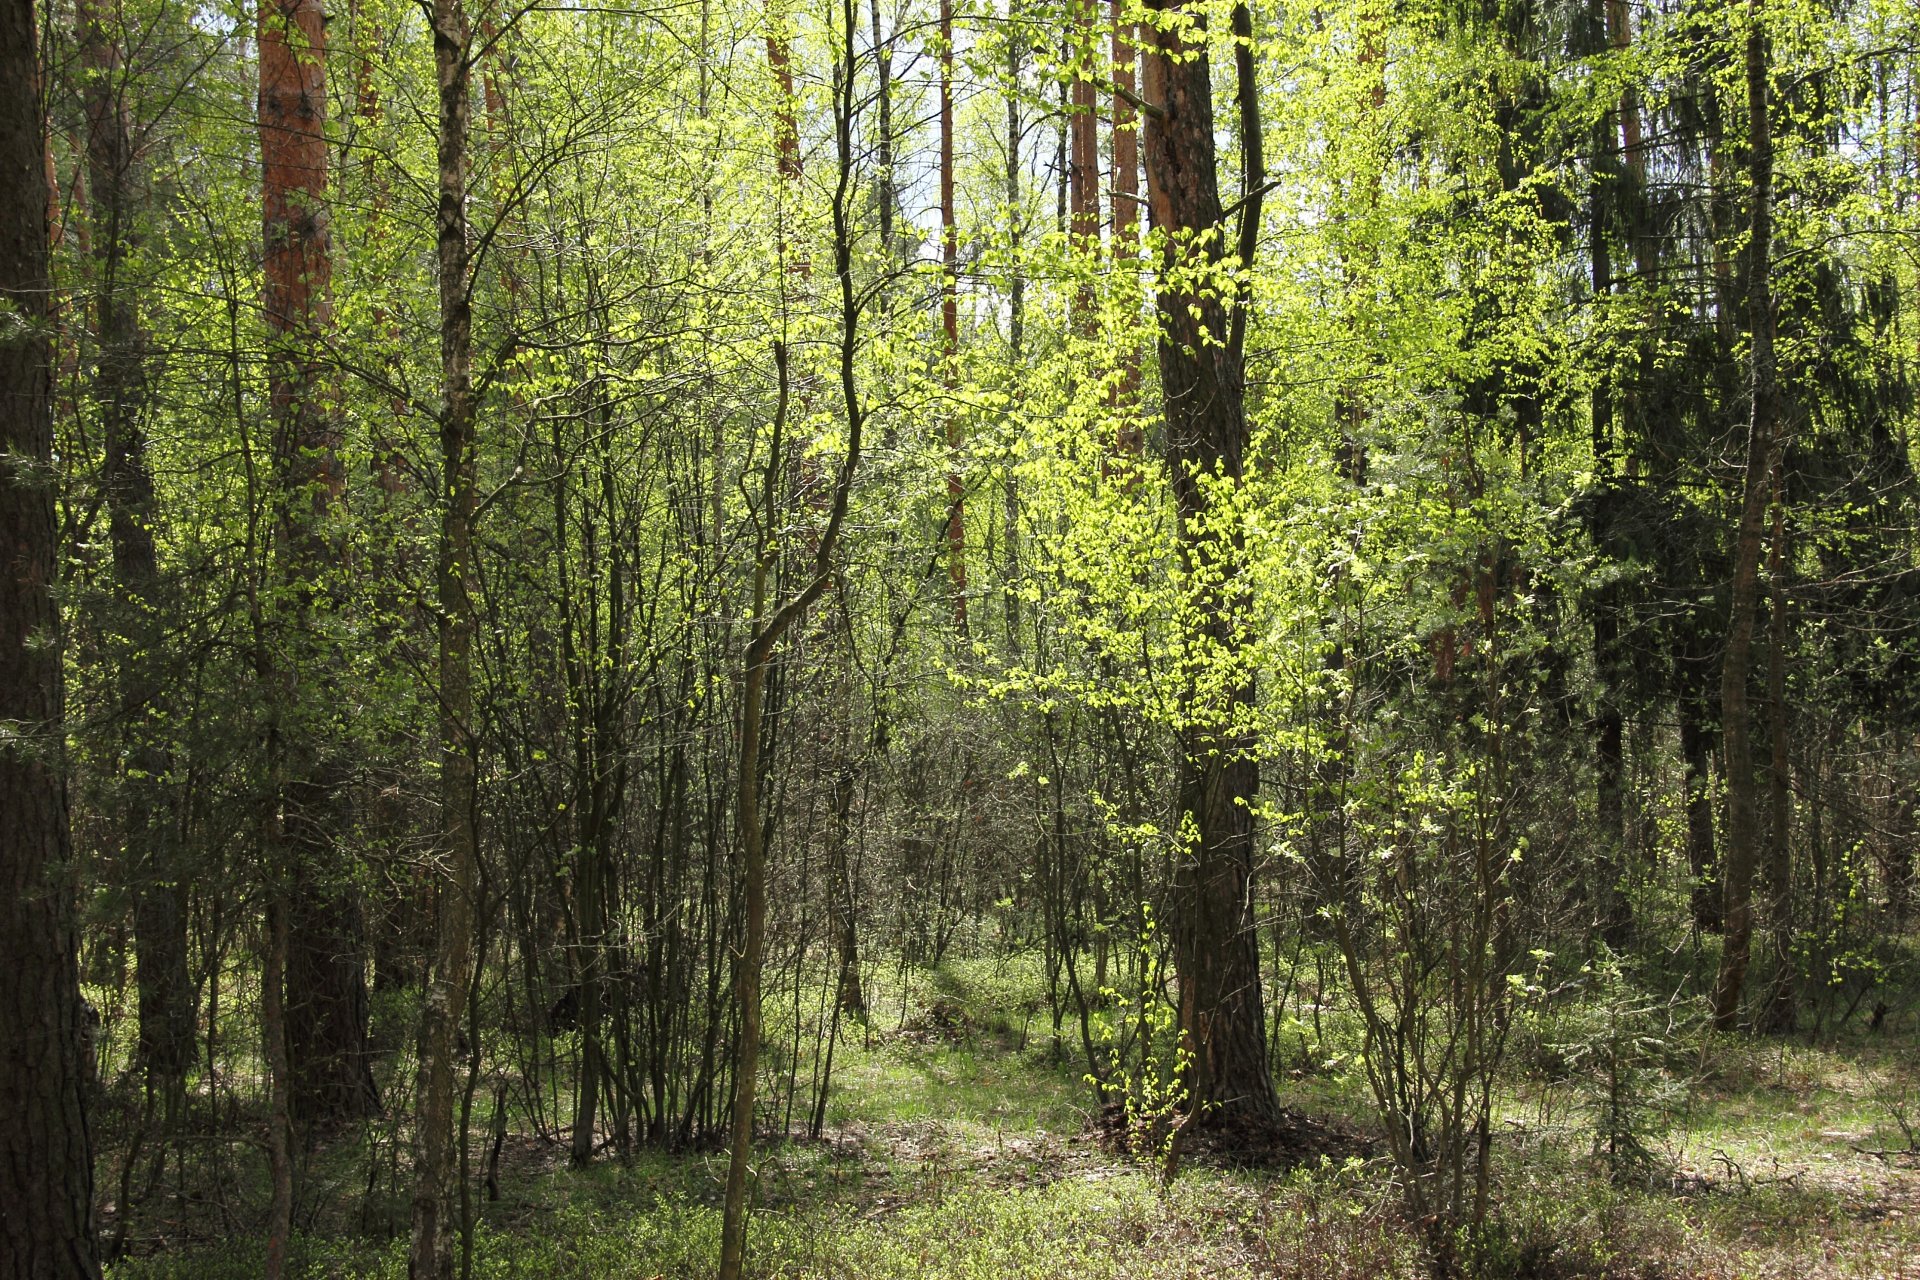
(1124,189)
(148,817)
(950,328)
(327,1011)
(772,621)
(1083,147)
(1609,901)
(437,1164)
(46,1156)
(1743,806)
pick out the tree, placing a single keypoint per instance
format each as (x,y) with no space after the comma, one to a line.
(46,1155)
(1743,805)
(150,816)
(950,328)
(771,623)
(326,965)
(437,1161)
(1611,911)
(1125,196)
(1202,380)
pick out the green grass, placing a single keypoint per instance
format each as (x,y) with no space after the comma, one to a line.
(959,1150)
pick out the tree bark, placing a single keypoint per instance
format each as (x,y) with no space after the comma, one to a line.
(1608,902)
(1696,750)
(843,898)
(273,1050)
(883,143)
(46,1156)
(1743,825)
(436,1159)
(120,393)
(1222,1020)
(327,1009)
(1781,1013)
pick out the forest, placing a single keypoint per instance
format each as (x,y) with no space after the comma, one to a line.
(959,639)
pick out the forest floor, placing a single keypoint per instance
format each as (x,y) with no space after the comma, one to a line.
(960,1145)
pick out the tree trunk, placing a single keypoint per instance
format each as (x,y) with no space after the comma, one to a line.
(327,1010)
(764,644)
(148,818)
(273,1050)
(1125,194)
(733,1240)
(950,329)
(1743,825)
(883,143)
(1780,1014)
(46,1157)
(1607,900)
(1016,327)
(329,1015)
(1083,163)
(1696,750)
(436,1158)
(843,898)
(1221,1015)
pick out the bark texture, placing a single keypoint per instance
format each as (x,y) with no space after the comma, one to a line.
(436,1155)
(1202,383)
(147,817)
(46,1160)
(326,995)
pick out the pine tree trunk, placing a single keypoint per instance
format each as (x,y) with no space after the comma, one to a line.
(273,1051)
(329,1014)
(1221,1015)
(327,1009)
(1083,164)
(46,1157)
(843,897)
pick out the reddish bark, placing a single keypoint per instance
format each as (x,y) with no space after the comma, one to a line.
(1203,388)
(326,973)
